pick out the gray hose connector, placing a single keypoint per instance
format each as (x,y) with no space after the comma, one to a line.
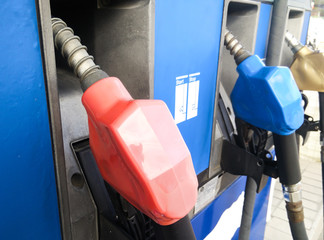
(76,54)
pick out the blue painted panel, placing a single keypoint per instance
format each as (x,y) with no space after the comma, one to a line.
(29,208)
(204,222)
(187,38)
(263,30)
(305,27)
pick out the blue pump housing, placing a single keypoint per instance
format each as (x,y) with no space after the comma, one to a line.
(267,97)
(187,42)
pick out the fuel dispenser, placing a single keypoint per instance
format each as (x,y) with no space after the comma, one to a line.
(167,50)
(126,39)
(175,67)
(121,37)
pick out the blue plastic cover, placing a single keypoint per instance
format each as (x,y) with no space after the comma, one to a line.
(267,97)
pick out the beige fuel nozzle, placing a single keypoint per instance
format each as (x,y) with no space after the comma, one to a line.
(307,67)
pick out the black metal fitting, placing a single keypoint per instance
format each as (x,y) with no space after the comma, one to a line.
(309,125)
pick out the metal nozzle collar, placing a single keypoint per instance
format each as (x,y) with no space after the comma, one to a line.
(235,48)
(293,42)
(292,193)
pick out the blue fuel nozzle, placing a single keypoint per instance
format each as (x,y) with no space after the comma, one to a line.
(266,97)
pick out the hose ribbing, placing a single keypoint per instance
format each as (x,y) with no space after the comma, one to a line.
(235,47)
(76,54)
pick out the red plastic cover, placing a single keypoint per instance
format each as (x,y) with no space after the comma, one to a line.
(140,151)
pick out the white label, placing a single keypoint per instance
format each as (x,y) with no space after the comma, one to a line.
(193,99)
(207,193)
(180,103)
(184,94)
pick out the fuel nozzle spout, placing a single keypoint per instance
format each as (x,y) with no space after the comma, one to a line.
(293,42)
(76,54)
(235,47)
(307,67)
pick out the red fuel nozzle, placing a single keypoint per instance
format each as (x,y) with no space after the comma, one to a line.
(140,151)
(136,143)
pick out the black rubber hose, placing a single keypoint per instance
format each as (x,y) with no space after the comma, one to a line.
(298,230)
(277,32)
(321,107)
(248,209)
(289,174)
(288,159)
